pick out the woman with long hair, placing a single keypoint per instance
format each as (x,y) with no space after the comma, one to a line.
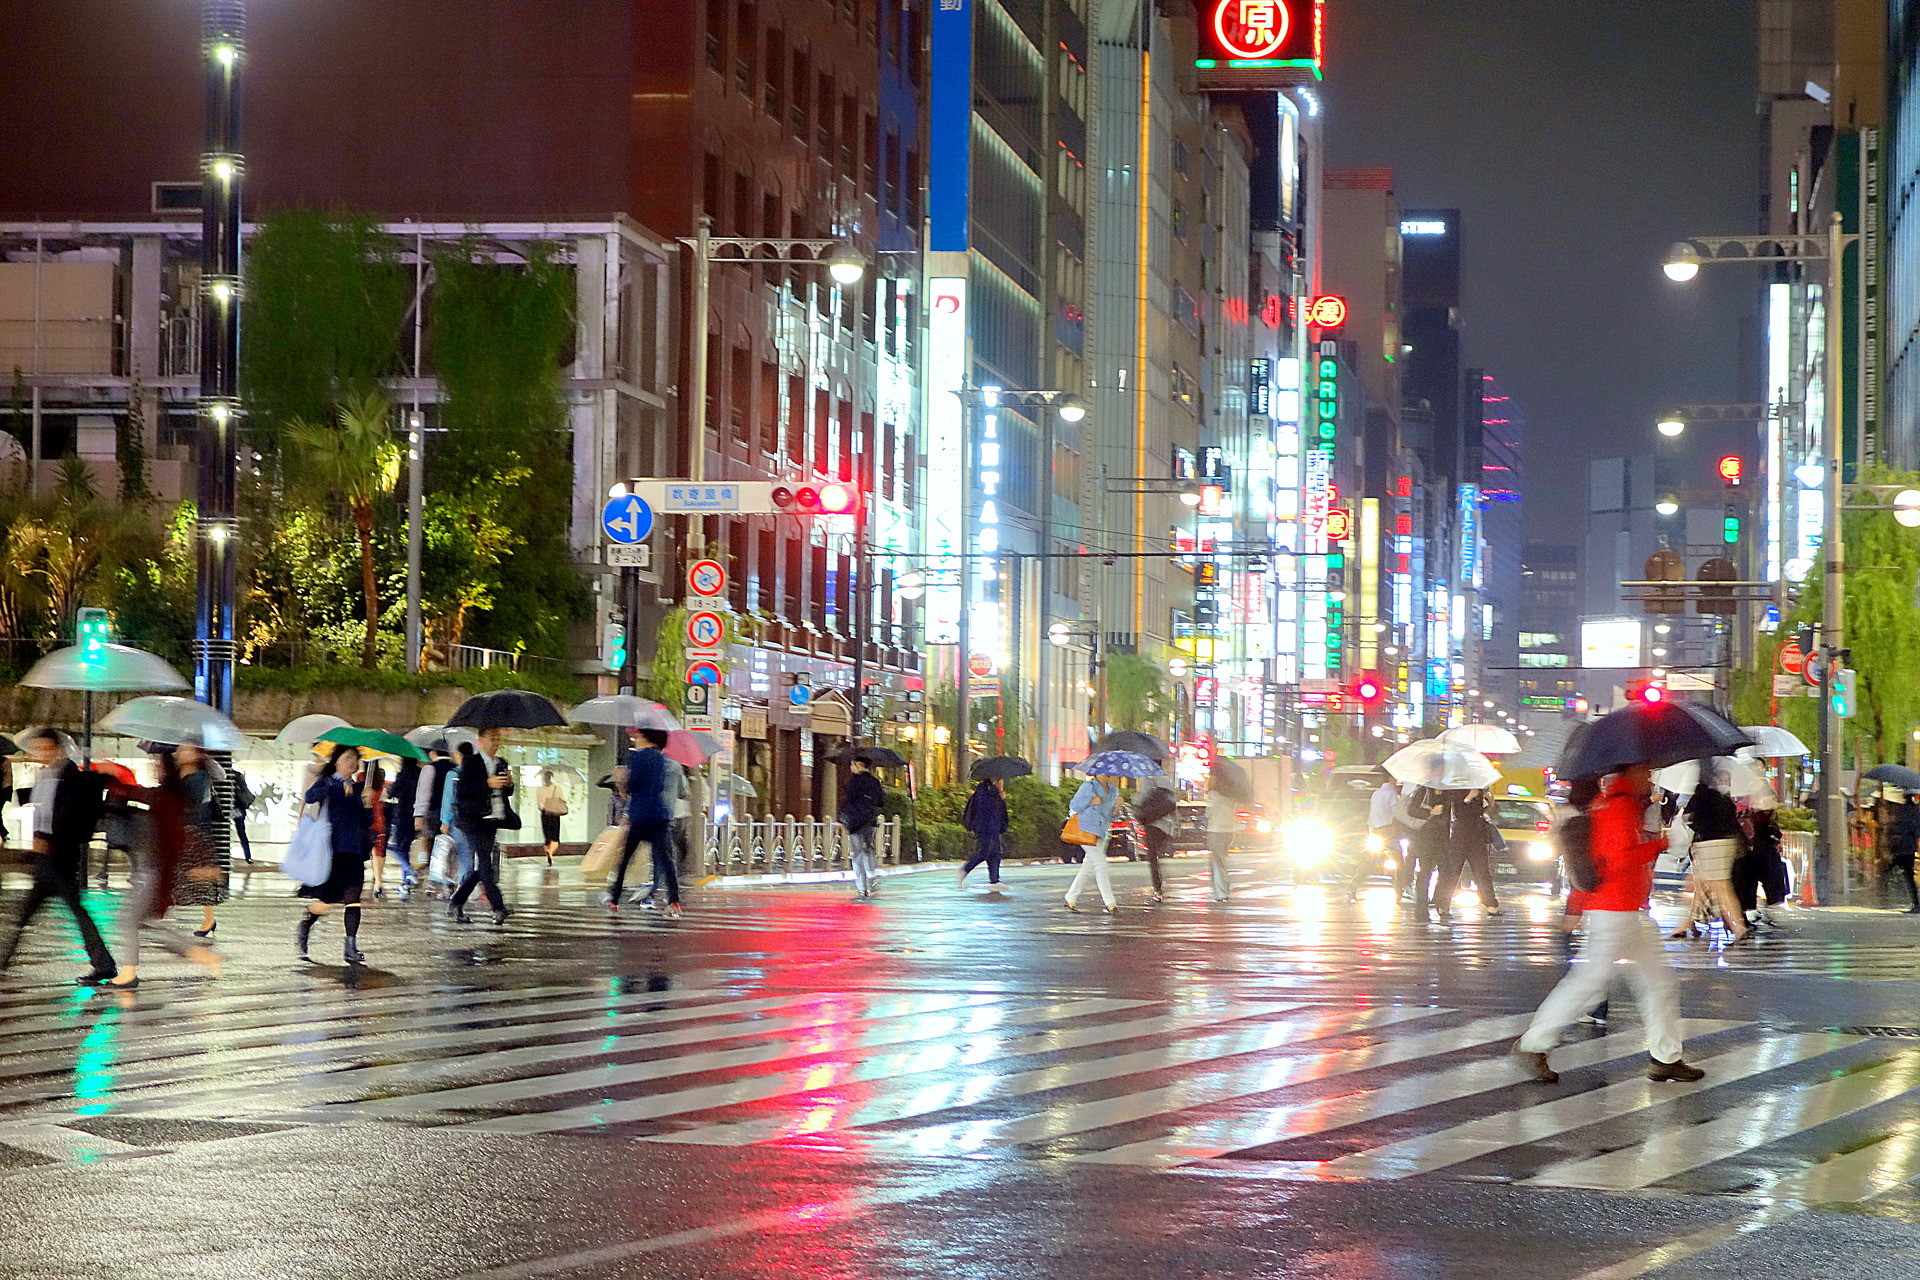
(553,807)
(341,792)
(203,815)
(174,864)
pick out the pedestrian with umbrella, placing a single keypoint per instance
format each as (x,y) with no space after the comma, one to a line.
(1903,842)
(860,814)
(1091,811)
(1433,768)
(177,866)
(1228,789)
(649,818)
(481,787)
(987,818)
(67,805)
(345,804)
(1613,847)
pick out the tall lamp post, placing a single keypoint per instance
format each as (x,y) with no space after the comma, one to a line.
(222,173)
(1683,263)
(972,400)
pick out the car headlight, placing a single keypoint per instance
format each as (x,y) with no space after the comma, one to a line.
(1263,826)
(1540,851)
(1374,843)
(1309,842)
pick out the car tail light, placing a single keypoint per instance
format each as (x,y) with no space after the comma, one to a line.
(1542,825)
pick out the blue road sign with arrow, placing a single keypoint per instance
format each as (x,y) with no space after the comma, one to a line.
(627,520)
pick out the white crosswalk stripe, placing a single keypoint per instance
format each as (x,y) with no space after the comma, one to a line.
(1277,1087)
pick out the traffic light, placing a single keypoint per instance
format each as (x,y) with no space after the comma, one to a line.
(1646,692)
(1371,690)
(834,498)
(1732,523)
(615,646)
(92,628)
(1843,686)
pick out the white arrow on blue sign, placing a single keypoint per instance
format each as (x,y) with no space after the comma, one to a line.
(628,519)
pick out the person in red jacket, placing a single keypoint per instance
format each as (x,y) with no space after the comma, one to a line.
(1619,934)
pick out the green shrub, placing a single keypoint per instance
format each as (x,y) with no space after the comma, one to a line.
(556,685)
(1037,811)
(1796,820)
(944,842)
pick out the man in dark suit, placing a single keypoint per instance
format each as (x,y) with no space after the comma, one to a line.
(481,786)
(67,805)
(649,818)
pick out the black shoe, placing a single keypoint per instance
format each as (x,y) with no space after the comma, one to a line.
(459,915)
(99,977)
(500,916)
(355,955)
(303,932)
(206,932)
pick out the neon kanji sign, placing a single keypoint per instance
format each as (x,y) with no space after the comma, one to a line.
(1256,34)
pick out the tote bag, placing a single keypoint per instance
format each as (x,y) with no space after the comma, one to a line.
(309,857)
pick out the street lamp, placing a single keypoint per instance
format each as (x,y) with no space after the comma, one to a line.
(1671,425)
(1070,408)
(1667,507)
(1683,262)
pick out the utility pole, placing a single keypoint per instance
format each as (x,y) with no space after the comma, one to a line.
(1830,857)
(222,174)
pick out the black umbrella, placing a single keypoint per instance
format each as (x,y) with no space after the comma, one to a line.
(1230,780)
(1141,744)
(8,747)
(998,768)
(878,757)
(1894,775)
(1656,734)
(507,709)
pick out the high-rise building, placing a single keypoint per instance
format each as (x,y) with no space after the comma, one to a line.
(1548,641)
(1431,369)
(1500,428)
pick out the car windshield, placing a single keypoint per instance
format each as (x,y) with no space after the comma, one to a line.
(1514,815)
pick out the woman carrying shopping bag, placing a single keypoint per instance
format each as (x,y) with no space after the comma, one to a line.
(1091,814)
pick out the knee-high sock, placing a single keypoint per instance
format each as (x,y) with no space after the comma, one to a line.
(350,917)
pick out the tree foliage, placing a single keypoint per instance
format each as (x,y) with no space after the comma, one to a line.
(1137,693)
(353,460)
(327,301)
(500,334)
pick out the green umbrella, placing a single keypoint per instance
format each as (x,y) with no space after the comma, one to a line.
(374,741)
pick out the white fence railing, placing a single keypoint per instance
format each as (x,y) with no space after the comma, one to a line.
(791,846)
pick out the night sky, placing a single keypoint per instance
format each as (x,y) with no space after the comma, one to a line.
(1579,139)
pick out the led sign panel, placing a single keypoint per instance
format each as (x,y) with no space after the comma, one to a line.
(1262,35)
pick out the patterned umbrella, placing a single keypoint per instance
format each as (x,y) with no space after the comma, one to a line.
(1119,764)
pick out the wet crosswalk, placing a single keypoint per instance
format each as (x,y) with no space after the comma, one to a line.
(1182,1082)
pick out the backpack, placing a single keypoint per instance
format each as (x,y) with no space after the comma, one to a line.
(1156,804)
(1576,853)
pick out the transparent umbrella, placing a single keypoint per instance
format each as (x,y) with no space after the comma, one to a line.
(309,729)
(97,667)
(624,711)
(1487,739)
(173,720)
(1439,765)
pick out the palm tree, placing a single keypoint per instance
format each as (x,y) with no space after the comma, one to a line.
(356,460)
(68,539)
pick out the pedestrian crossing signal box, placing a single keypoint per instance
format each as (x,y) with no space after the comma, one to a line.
(92,627)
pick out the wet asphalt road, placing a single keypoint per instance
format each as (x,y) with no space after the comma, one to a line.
(789,1083)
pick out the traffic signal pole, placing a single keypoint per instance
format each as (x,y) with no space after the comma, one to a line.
(1830,850)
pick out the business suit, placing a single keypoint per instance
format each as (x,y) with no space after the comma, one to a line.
(649,818)
(473,815)
(77,799)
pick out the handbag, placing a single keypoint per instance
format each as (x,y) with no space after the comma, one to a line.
(309,858)
(601,853)
(1074,833)
(1404,815)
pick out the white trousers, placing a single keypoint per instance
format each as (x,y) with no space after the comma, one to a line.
(1218,843)
(1630,942)
(1095,866)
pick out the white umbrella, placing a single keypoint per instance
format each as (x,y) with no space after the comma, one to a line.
(1441,766)
(309,729)
(97,667)
(103,668)
(1773,742)
(1743,779)
(1487,739)
(172,720)
(624,711)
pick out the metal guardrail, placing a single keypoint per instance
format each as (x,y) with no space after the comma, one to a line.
(464,657)
(791,846)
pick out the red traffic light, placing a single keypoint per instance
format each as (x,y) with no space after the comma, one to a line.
(1646,691)
(838,499)
(831,499)
(1370,690)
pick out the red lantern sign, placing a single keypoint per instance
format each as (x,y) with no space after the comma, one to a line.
(1329,312)
(1730,468)
(1339,524)
(980,666)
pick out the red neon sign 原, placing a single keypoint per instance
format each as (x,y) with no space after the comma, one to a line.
(1251,29)
(1329,312)
(1339,524)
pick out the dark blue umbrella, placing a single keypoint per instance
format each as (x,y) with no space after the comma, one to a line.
(1894,775)
(1119,764)
(1655,734)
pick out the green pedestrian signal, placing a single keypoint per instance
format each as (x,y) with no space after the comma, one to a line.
(92,628)
(1843,686)
(615,647)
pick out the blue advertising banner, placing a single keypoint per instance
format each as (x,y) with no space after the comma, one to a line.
(949,125)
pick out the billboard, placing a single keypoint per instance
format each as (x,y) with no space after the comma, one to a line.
(1610,643)
(946,375)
